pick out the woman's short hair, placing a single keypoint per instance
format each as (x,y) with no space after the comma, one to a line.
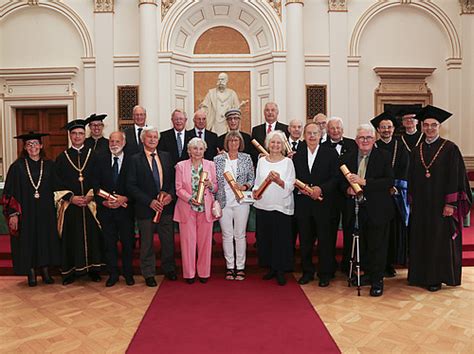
(234,134)
(195,142)
(282,137)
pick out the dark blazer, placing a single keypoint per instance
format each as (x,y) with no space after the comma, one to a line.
(131,147)
(141,185)
(348,145)
(323,174)
(103,180)
(248,147)
(379,176)
(259,132)
(168,143)
(211,141)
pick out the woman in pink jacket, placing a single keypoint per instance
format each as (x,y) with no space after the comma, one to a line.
(195,220)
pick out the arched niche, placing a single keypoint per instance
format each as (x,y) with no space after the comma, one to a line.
(221,40)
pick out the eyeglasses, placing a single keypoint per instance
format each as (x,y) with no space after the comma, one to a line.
(320,123)
(365,138)
(386,127)
(432,125)
(312,133)
(97,125)
(32,143)
(233,118)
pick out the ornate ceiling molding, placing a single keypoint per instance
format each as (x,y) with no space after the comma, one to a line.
(276,6)
(165,6)
(337,5)
(103,5)
(294,2)
(467,7)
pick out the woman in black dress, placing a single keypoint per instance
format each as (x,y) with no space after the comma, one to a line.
(28,207)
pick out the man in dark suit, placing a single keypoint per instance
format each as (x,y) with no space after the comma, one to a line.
(233,117)
(316,166)
(132,134)
(321,120)
(371,169)
(342,145)
(115,215)
(150,183)
(175,140)
(270,113)
(201,132)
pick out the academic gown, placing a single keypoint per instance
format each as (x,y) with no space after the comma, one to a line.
(82,243)
(411,140)
(398,234)
(435,240)
(36,244)
(99,146)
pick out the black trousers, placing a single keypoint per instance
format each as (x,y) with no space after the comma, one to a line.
(147,253)
(313,227)
(274,239)
(117,226)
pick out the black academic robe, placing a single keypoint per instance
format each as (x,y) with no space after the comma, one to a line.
(99,146)
(412,140)
(398,233)
(82,243)
(36,244)
(435,240)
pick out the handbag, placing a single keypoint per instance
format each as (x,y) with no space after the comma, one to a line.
(216,209)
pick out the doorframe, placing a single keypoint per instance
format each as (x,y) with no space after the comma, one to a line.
(9,150)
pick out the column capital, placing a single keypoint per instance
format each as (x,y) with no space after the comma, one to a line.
(143,2)
(294,2)
(337,5)
(103,5)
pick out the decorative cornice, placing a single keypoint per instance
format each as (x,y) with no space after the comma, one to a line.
(33,2)
(294,2)
(165,6)
(276,6)
(337,5)
(103,5)
(63,72)
(143,2)
(467,7)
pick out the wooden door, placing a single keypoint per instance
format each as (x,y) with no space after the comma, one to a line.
(44,120)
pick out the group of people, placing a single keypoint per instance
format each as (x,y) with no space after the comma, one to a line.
(406,196)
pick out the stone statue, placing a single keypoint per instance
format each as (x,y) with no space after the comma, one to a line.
(218,101)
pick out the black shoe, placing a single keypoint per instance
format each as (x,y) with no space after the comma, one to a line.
(69,279)
(46,277)
(94,276)
(364,280)
(150,281)
(390,272)
(434,287)
(32,278)
(171,276)
(323,283)
(190,280)
(129,280)
(113,279)
(203,280)
(306,278)
(376,289)
(270,275)
(280,277)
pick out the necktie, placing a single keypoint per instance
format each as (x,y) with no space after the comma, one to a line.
(115,170)
(154,169)
(139,134)
(362,167)
(180,144)
(200,134)
(294,143)
(269,129)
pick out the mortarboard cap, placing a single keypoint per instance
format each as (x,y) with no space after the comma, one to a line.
(31,136)
(433,112)
(384,116)
(96,117)
(77,123)
(233,112)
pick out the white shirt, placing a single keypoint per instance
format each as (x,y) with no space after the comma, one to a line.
(203,133)
(272,125)
(231,166)
(312,157)
(136,132)
(291,141)
(275,197)
(324,138)
(338,146)
(120,160)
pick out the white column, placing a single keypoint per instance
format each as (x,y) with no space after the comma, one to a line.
(104,69)
(338,46)
(454,125)
(295,82)
(467,78)
(149,60)
(351,120)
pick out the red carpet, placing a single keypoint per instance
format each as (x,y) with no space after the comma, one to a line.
(251,316)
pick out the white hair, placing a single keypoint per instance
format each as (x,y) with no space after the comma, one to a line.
(279,134)
(367,127)
(195,142)
(336,119)
(149,129)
